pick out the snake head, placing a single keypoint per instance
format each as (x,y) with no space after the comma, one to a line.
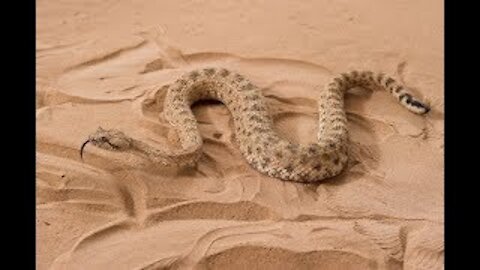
(111,139)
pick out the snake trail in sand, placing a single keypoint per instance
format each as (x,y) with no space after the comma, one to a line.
(262,147)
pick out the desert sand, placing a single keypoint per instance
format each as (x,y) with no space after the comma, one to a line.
(103,63)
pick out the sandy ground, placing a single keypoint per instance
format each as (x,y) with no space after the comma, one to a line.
(103,63)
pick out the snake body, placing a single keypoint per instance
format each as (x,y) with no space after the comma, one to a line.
(261,146)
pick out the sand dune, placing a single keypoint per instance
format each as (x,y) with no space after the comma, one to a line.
(105,63)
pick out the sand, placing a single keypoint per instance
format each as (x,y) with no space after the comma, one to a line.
(103,63)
